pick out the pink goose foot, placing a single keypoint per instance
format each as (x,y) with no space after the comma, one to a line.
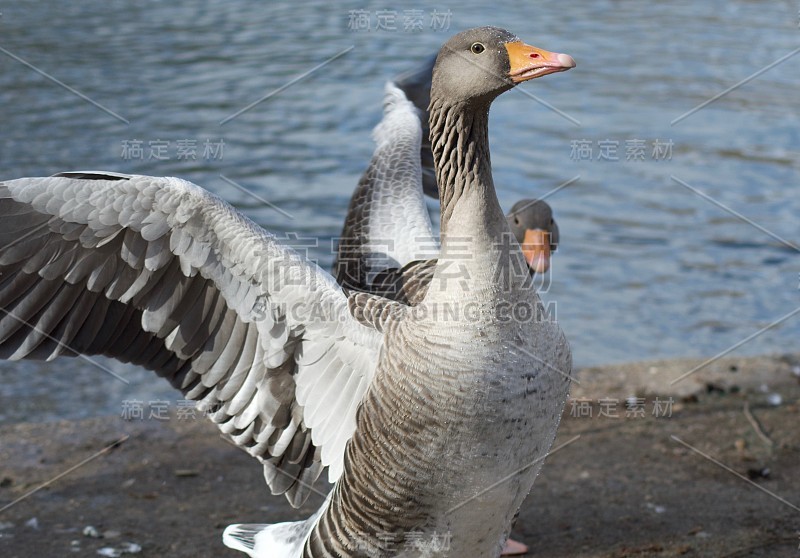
(514,548)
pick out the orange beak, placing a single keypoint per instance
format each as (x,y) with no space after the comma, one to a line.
(536,248)
(528,62)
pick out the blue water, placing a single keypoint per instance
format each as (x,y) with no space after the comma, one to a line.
(646,269)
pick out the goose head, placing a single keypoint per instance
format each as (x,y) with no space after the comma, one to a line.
(536,230)
(479,64)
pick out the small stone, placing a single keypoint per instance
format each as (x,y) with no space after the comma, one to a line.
(33,523)
(111,534)
(186,473)
(5,525)
(124,548)
(796,371)
(130,548)
(128,483)
(714,388)
(75,543)
(758,473)
(5,482)
(91,532)
(774,399)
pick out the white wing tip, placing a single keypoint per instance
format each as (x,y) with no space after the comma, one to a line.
(241,537)
(278,540)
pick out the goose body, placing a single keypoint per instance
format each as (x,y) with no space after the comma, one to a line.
(430,419)
(387,245)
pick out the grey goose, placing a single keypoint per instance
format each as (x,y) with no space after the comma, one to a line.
(417,416)
(387,245)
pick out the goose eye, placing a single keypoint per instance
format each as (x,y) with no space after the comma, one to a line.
(551,221)
(477,48)
(516,220)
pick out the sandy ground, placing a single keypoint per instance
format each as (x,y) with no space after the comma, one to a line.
(638,485)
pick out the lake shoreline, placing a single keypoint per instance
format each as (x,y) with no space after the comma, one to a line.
(631,476)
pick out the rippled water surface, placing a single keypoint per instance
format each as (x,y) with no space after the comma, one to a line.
(649,265)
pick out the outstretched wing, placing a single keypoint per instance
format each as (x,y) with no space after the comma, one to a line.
(387,224)
(161,273)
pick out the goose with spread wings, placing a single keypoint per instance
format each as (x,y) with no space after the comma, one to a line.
(416,412)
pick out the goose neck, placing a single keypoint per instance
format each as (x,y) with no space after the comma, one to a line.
(460,144)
